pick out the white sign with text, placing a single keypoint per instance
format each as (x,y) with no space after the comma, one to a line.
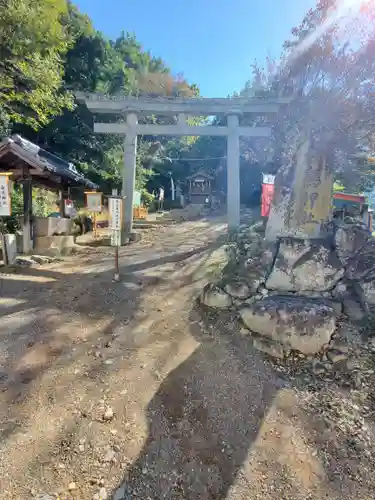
(115,219)
(5,205)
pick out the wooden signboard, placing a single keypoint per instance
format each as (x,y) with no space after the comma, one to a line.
(94,201)
(5,201)
(115,219)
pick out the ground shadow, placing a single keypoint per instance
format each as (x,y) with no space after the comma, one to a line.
(42,308)
(202,422)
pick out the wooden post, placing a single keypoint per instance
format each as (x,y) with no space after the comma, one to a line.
(94,224)
(27,214)
(62,203)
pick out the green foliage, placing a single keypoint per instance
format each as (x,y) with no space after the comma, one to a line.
(87,61)
(11,224)
(43,204)
(17,201)
(33,44)
(147,198)
(338,187)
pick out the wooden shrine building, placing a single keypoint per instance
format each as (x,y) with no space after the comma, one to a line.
(200,188)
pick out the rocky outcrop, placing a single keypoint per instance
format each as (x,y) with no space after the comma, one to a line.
(297,323)
(289,294)
(350,239)
(305,265)
(368,289)
(251,260)
(361,267)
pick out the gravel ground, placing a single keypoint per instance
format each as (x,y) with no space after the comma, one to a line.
(126,390)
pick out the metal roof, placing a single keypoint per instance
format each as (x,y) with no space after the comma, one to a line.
(41,160)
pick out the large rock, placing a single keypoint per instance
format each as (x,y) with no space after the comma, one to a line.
(351,296)
(238,290)
(213,296)
(368,290)
(361,267)
(302,265)
(250,262)
(350,239)
(298,323)
(258,263)
(354,310)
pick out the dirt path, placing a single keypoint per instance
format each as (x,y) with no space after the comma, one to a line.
(122,389)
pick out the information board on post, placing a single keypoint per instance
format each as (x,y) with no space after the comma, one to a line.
(5,201)
(115,219)
(93,201)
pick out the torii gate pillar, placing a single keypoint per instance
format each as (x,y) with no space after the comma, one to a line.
(128,174)
(233,173)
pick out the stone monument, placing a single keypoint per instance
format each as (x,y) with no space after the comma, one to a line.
(303,189)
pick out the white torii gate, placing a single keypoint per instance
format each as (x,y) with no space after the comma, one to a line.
(133,107)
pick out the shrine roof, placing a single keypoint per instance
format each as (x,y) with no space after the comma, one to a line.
(47,169)
(200,173)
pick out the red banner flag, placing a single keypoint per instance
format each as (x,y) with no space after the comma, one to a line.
(267,195)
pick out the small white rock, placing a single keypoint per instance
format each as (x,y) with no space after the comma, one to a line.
(108,414)
(244,331)
(103,495)
(109,456)
(72,486)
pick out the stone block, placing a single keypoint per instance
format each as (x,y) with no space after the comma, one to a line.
(297,323)
(9,244)
(255,263)
(361,267)
(350,239)
(368,289)
(238,290)
(54,245)
(50,226)
(303,265)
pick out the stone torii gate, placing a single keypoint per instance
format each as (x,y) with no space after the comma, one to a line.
(134,107)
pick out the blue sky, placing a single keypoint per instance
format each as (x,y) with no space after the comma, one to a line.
(212,42)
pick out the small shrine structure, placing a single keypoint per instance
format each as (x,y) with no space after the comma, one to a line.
(200,188)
